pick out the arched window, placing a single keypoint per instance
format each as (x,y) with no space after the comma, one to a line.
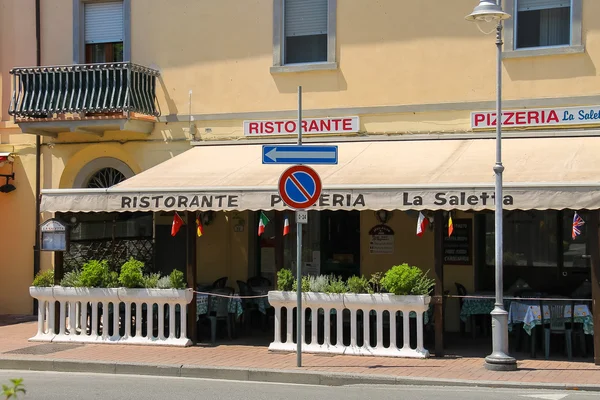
(105,178)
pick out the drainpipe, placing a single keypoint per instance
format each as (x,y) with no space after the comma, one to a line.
(38,147)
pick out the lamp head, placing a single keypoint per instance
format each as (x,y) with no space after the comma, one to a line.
(487,11)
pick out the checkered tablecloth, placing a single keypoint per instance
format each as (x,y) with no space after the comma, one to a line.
(529,313)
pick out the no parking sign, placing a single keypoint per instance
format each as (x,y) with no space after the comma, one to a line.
(300,187)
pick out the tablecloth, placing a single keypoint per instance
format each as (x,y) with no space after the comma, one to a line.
(234,307)
(528,312)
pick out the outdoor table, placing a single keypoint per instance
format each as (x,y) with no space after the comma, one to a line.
(483,306)
(528,312)
(234,307)
(261,302)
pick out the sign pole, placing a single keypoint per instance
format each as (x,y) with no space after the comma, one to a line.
(299,255)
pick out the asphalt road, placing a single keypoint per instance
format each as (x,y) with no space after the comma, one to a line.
(62,386)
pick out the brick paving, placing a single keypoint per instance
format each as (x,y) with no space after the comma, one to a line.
(14,336)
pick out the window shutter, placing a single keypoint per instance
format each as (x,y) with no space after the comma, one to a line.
(529,5)
(305,17)
(103,22)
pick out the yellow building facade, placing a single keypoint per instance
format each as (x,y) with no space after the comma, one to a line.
(398,70)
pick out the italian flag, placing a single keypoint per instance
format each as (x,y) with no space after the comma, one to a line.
(262,222)
(286,226)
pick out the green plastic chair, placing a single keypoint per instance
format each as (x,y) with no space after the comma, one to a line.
(557,325)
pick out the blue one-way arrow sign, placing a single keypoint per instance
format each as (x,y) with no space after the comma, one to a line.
(300,154)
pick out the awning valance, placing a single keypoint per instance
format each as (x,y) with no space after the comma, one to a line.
(541,173)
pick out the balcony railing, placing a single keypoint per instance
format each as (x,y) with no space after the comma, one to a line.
(41,92)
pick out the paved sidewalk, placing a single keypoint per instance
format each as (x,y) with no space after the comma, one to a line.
(247,362)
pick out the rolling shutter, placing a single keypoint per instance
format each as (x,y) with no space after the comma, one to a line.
(530,5)
(305,17)
(103,22)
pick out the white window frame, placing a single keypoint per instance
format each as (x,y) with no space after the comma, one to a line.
(510,35)
(79,29)
(279,65)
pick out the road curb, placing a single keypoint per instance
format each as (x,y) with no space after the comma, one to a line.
(265,375)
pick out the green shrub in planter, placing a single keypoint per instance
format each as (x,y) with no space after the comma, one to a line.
(44,279)
(132,275)
(336,285)
(358,284)
(151,281)
(318,283)
(164,283)
(96,274)
(305,284)
(177,280)
(71,279)
(406,280)
(285,280)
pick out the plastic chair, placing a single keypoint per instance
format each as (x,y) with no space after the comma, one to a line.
(218,310)
(557,325)
(258,281)
(462,291)
(220,283)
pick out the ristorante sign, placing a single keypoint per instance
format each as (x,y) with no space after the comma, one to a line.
(314,126)
(526,198)
(539,117)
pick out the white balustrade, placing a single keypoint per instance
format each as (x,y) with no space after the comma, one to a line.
(96,315)
(350,311)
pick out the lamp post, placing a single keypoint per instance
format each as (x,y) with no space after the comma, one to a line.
(499,360)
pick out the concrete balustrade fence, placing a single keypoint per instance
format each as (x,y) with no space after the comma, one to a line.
(356,324)
(119,315)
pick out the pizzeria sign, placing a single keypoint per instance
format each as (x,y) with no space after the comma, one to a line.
(538,117)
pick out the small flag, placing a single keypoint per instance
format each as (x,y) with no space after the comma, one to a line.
(286,226)
(262,222)
(450,225)
(422,224)
(577,222)
(177,223)
(199,228)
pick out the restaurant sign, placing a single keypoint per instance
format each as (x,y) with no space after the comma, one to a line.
(538,117)
(310,126)
(522,197)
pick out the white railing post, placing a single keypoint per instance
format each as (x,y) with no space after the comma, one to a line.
(327,327)
(172,334)
(393,343)
(84,318)
(116,318)
(406,329)
(290,325)
(314,313)
(277,338)
(339,327)
(183,321)
(105,319)
(149,320)
(353,340)
(139,309)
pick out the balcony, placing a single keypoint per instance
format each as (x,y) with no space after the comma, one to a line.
(90,98)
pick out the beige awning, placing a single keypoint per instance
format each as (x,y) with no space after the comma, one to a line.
(540,173)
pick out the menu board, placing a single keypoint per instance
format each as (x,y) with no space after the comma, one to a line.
(458,247)
(381,240)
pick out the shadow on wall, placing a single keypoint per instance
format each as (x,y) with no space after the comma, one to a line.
(550,67)
(318,81)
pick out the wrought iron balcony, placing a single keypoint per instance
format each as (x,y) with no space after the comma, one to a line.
(83,89)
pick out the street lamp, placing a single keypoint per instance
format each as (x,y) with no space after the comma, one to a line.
(499,360)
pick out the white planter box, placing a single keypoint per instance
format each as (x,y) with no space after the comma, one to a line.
(85,315)
(373,305)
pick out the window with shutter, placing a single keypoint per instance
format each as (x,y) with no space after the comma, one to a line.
(543,23)
(305,31)
(104,31)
